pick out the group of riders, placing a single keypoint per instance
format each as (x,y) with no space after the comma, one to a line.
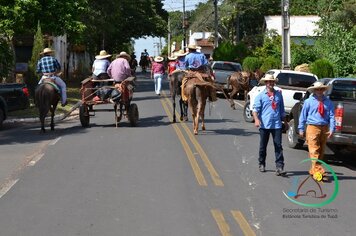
(124,66)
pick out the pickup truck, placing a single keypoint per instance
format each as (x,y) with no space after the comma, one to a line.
(222,70)
(342,92)
(15,95)
(289,82)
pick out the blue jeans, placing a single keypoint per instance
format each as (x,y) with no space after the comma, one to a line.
(277,141)
(158,82)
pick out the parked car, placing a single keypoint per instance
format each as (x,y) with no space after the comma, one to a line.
(289,82)
(3,110)
(222,70)
(15,95)
(342,92)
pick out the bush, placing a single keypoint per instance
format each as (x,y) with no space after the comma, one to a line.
(322,68)
(230,52)
(271,63)
(251,64)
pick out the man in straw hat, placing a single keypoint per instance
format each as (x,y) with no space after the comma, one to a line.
(120,69)
(197,62)
(101,64)
(172,62)
(318,114)
(48,66)
(157,73)
(180,60)
(268,112)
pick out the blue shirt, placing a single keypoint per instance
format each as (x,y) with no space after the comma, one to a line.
(100,66)
(195,60)
(270,118)
(310,115)
(181,63)
(48,64)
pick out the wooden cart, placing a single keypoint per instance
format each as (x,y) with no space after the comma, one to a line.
(122,106)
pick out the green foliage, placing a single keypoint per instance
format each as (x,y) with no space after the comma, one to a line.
(6,58)
(338,45)
(38,46)
(270,62)
(322,68)
(251,64)
(229,52)
(301,54)
(272,46)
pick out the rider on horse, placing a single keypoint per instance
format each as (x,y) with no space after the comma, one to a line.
(198,66)
(49,66)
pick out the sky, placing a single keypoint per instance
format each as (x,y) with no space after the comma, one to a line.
(152,44)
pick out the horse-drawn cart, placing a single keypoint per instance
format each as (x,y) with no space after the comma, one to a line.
(120,95)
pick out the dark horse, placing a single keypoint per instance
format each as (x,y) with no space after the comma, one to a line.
(175,82)
(46,97)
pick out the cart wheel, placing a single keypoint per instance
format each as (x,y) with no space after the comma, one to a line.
(133,114)
(84,115)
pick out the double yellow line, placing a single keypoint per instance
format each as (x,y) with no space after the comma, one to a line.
(216,213)
(191,157)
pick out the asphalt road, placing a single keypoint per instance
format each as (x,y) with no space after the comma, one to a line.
(159,179)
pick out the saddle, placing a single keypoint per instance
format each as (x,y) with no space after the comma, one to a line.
(51,82)
(202,76)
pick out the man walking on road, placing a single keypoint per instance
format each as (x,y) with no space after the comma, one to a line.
(318,114)
(268,112)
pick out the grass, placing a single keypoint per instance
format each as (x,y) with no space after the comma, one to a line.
(73,96)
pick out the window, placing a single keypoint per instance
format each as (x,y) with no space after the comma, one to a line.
(295,80)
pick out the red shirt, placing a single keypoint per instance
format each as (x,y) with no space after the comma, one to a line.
(171,66)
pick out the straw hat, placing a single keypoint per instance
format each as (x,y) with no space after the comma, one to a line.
(125,55)
(192,46)
(173,58)
(158,59)
(47,51)
(317,85)
(103,54)
(180,53)
(268,77)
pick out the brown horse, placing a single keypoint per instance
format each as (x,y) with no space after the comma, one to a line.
(197,92)
(175,83)
(240,82)
(46,99)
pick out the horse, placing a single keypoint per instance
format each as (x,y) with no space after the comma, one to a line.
(197,91)
(46,99)
(240,81)
(175,82)
(144,62)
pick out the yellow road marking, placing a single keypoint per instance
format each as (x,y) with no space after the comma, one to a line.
(220,221)
(213,173)
(193,162)
(244,225)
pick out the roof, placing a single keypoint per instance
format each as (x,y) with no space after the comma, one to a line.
(204,43)
(299,25)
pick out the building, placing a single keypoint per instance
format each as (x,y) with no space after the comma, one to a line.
(302,28)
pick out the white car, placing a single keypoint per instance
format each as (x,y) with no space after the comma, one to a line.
(290,82)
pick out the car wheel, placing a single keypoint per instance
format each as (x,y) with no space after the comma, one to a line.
(2,117)
(292,135)
(248,113)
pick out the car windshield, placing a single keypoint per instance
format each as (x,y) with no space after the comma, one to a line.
(295,80)
(344,89)
(227,67)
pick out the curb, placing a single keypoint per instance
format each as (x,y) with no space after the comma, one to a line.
(57,118)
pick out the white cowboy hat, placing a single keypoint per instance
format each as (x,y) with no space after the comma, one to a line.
(103,54)
(268,77)
(317,85)
(193,46)
(47,51)
(125,54)
(158,59)
(172,58)
(180,53)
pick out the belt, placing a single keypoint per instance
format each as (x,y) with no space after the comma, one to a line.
(318,125)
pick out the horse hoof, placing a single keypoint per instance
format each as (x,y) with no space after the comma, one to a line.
(203,128)
(181,118)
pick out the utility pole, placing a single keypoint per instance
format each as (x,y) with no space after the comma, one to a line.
(216,37)
(183,24)
(285,35)
(169,37)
